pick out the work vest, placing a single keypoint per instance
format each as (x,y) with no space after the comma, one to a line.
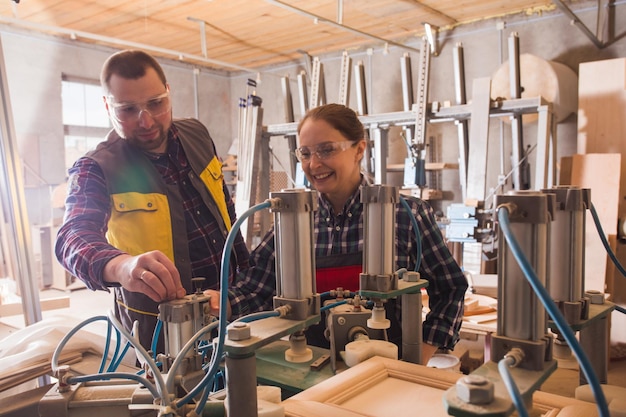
(147,214)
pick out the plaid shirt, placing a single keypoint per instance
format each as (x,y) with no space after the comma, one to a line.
(82,247)
(343,234)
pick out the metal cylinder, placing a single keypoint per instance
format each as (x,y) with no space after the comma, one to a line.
(567,243)
(182,319)
(379,235)
(241,400)
(521,314)
(295,248)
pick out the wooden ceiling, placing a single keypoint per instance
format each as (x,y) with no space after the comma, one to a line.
(251,34)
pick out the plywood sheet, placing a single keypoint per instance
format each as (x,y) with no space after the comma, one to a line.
(602,113)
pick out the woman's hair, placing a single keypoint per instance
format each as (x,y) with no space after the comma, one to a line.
(340,117)
(129,64)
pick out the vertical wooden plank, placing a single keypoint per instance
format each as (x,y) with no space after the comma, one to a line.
(602,112)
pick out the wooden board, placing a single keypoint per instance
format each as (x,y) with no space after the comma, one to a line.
(602,113)
(14,309)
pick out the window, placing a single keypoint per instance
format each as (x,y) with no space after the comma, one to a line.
(85,120)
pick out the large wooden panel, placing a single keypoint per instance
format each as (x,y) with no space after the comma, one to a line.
(602,113)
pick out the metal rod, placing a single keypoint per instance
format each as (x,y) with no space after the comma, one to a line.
(407,82)
(517,146)
(569,13)
(289,117)
(359,78)
(462,125)
(304,99)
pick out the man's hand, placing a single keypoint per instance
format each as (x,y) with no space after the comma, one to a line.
(428,351)
(151,273)
(214,302)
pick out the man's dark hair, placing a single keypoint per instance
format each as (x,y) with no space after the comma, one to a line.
(129,64)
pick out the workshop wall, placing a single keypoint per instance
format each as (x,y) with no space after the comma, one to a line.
(36,63)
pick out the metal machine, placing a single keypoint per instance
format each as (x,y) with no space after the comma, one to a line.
(522,349)
(181,386)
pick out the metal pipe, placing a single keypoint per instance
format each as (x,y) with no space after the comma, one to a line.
(412,329)
(241,384)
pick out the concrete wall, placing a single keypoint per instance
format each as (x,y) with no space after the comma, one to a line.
(35,64)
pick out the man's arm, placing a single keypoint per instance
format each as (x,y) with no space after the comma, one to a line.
(82,248)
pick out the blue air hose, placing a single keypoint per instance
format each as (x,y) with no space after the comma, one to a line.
(509,383)
(605,242)
(217,353)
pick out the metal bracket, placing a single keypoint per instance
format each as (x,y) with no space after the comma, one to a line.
(604,35)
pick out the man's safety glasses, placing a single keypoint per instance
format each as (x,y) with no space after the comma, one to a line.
(131,112)
(323,151)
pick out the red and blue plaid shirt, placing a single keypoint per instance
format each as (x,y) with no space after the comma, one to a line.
(81,243)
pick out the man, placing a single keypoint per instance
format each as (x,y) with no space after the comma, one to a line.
(148,209)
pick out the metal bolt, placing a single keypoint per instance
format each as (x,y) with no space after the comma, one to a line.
(239,331)
(63,372)
(475,389)
(595,297)
(341,321)
(411,276)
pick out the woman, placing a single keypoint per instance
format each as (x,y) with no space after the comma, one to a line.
(332,145)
